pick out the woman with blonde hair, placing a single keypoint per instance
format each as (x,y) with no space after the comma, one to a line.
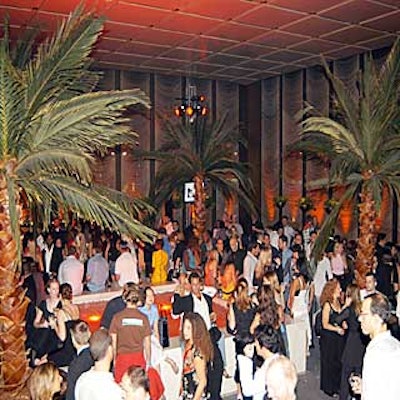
(211,269)
(227,279)
(271,279)
(198,352)
(44,382)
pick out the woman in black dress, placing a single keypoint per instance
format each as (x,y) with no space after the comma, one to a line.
(240,316)
(354,348)
(50,331)
(332,340)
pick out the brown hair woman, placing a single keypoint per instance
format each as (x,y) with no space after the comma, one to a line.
(331,341)
(354,348)
(197,353)
(240,316)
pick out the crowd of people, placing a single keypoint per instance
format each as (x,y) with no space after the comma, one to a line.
(268,277)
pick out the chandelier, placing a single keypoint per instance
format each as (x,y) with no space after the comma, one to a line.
(192,105)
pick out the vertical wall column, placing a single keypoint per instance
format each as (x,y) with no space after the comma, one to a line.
(292,92)
(347,70)
(104,167)
(270,147)
(317,173)
(227,97)
(135,173)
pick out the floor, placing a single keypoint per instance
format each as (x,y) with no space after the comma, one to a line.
(308,385)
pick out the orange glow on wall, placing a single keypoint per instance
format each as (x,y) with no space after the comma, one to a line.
(318,197)
(269,196)
(293,205)
(230,206)
(346,216)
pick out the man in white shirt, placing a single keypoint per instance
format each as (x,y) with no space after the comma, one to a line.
(98,383)
(381,365)
(268,347)
(195,301)
(288,230)
(250,262)
(71,271)
(97,271)
(126,266)
(370,285)
(323,274)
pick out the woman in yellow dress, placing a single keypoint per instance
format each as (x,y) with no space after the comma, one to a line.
(159,263)
(227,280)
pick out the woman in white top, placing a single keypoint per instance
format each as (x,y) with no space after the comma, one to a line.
(301,296)
(338,261)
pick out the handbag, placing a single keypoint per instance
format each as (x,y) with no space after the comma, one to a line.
(163,331)
(318,323)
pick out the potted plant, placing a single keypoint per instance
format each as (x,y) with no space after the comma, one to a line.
(306,204)
(280,201)
(330,204)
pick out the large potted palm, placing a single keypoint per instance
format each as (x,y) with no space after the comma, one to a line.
(203,153)
(51,126)
(362,143)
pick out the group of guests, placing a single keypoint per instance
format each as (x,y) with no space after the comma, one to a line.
(58,340)
(264,274)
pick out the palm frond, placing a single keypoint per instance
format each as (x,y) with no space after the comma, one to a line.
(89,122)
(13,212)
(11,103)
(88,202)
(206,149)
(58,161)
(330,221)
(59,69)
(387,86)
(342,139)
(347,103)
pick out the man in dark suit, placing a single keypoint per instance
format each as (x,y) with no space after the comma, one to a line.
(80,334)
(195,301)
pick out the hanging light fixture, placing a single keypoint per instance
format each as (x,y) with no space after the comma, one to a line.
(191,106)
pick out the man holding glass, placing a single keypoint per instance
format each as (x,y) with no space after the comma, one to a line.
(381,367)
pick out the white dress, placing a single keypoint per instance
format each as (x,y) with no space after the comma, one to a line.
(300,311)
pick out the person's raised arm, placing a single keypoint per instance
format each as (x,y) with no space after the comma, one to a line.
(255,323)
(231,319)
(38,323)
(60,325)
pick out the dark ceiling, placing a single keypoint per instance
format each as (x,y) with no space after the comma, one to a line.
(236,40)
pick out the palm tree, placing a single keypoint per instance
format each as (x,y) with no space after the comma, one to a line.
(51,127)
(362,144)
(205,154)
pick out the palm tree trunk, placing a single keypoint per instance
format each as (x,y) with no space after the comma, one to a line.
(13,303)
(199,205)
(367,236)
